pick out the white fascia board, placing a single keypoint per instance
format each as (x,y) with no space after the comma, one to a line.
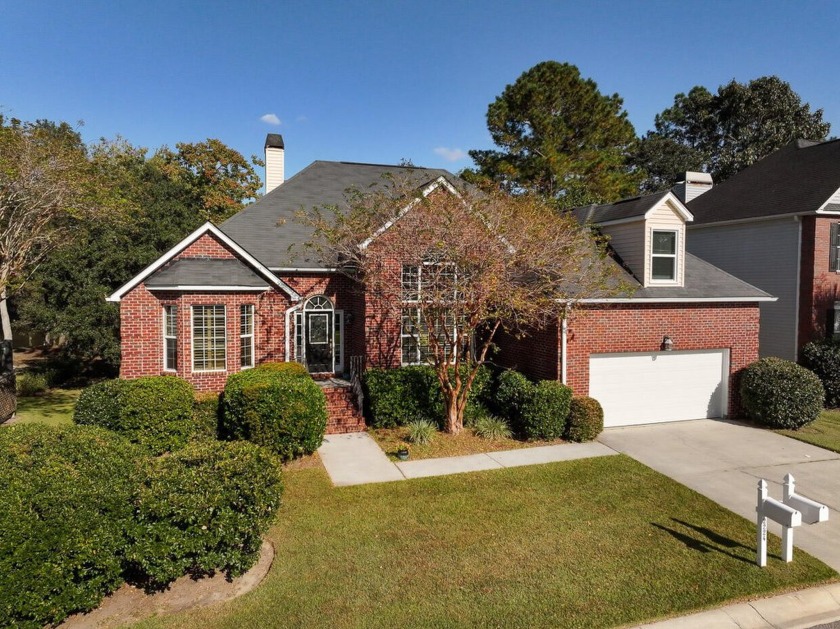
(674,300)
(204,287)
(294,269)
(204,229)
(753,219)
(437,183)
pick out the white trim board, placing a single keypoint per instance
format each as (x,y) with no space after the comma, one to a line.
(207,228)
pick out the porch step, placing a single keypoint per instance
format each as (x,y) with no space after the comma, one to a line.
(342,414)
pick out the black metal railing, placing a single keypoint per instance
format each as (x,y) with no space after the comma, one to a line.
(357,368)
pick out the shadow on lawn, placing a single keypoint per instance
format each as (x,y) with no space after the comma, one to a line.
(713,542)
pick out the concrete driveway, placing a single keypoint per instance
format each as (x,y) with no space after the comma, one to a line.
(725,460)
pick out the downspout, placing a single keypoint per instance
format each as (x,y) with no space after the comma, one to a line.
(564,331)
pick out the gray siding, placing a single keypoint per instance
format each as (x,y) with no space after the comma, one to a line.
(765,254)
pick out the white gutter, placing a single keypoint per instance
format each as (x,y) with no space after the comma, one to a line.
(205,287)
(564,331)
(675,300)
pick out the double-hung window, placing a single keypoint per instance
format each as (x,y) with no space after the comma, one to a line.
(418,283)
(170,338)
(663,263)
(246,336)
(209,338)
(834,251)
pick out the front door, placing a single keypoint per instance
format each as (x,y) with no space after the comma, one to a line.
(319,352)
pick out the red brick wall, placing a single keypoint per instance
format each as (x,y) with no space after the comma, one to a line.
(641,327)
(536,355)
(819,286)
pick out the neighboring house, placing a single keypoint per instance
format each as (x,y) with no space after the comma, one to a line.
(775,225)
(227,298)
(667,350)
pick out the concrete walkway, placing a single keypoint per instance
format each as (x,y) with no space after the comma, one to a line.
(797,610)
(356,459)
(725,460)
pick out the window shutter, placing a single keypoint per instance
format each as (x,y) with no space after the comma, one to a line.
(832,256)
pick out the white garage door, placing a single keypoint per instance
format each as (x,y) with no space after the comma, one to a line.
(660,386)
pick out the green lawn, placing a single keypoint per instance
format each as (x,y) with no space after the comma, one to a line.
(55,407)
(592,543)
(823,432)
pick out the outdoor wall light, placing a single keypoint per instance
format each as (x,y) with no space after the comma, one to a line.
(667,343)
(348,317)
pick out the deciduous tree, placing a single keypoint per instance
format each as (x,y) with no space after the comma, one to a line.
(219,175)
(725,132)
(457,266)
(558,136)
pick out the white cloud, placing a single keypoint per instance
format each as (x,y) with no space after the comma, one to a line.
(450,155)
(271,119)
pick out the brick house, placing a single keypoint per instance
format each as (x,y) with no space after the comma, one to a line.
(776,225)
(227,298)
(671,347)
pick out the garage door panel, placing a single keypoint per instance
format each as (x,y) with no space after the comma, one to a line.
(643,388)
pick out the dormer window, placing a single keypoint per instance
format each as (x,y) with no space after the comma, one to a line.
(663,264)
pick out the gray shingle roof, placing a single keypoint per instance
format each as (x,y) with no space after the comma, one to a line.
(798,178)
(268,228)
(626,208)
(702,281)
(206,272)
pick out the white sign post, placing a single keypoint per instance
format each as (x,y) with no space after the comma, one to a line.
(791,512)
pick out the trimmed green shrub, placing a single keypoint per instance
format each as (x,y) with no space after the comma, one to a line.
(492,428)
(29,384)
(279,410)
(204,508)
(546,413)
(100,403)
(586,419)
(396,396)
(290,368)
(474,413)
(421,431)
(206,415)
(780,393)
(155,412)
(823,358)
(66,502)
(513,390)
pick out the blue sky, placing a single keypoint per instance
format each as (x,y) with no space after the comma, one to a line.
(381,81)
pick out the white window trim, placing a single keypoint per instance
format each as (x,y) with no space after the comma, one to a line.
(338,321)
(414,304)
(166,338)
(252,335)
(676,256)
(192,338)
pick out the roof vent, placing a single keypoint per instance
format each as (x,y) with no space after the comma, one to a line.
(274,161)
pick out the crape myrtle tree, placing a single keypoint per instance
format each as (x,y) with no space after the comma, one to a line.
(724,132)
(559,136)
(457,266)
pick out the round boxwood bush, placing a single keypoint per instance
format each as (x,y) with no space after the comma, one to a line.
(290,368)
(586,419)
(546,412)
(66,503)
(206,411)
(513,390)
(155,412)
(823,358)
(281,411)
(204,508)
(781,394)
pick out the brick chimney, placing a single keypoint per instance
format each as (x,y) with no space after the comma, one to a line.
(692,186)
(274,161)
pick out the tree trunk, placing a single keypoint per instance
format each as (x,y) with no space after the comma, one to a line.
(4,316)
(454,418)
